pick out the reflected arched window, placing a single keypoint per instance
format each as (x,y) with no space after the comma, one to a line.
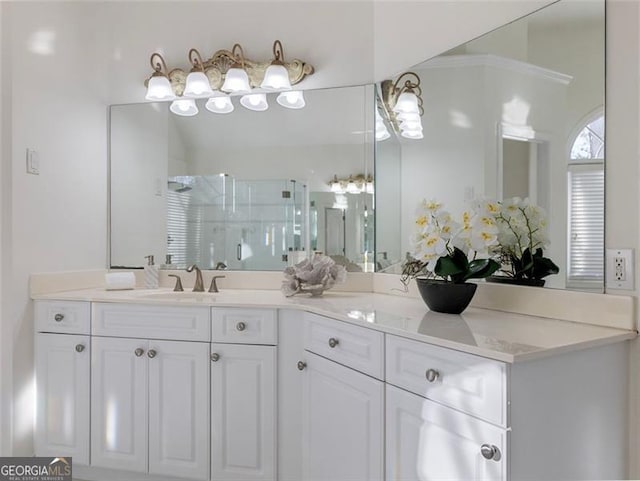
(585,263)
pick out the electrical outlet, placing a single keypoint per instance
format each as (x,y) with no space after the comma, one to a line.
(620,269)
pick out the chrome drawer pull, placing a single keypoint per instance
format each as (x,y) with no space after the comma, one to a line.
(241,326)
(333,342)
(58,317)
(301,365)
(489,451)
(215,357)
(79,347)
(151,353)
(139,352)
(432,375)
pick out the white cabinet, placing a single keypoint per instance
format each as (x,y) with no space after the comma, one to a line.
(343,412)
(62,376)
(428,441)
(243,412)
(150,406)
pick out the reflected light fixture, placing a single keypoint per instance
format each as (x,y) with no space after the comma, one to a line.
(236,79)
(184,107)
(382,133)
(219,104)
(256,102)
(159,85)
(197,84)
(403,104)
(352,185)
(276,77)
(293,99)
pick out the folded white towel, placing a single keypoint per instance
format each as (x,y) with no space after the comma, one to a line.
(119,281)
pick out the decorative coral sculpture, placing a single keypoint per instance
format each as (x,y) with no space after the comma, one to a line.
(313,276)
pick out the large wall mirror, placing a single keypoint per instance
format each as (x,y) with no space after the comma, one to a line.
(516,112)
(244,190)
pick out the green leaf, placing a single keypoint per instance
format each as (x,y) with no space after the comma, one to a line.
(454,266)
(481,268)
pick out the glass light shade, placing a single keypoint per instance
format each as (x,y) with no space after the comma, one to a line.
(159,88)
(411,125)
(412,134)
(184,107)
(197,85)
(220,104)
(293,99)
(406,117)
(407,103)
(352,188)
(382,134)
(257,102)
(276,78)
(336,187)
(236,81)
(369,189)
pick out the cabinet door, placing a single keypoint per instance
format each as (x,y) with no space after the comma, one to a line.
(119,403)
(427,441)
(62,377)
(179,409)
(243,412)
(343,420)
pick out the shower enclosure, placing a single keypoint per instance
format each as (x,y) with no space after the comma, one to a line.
(241,224)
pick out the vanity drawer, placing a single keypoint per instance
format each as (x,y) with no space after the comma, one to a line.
(70,317)
(244,326)
(468,383)
(151,322)
(356,347)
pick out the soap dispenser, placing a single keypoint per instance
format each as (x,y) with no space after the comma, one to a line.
(151,274)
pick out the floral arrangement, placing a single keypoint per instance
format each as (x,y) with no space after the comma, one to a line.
(453,251)
(313,276)
(522,237)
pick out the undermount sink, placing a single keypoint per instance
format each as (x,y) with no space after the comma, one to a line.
(180,296)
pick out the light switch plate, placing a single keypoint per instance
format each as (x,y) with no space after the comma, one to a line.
(33,162)
(620,269)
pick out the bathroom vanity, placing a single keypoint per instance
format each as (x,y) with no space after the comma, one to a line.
(249,385)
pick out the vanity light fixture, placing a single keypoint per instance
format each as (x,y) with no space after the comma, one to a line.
(276,77)
(228,71)
(256,102)
(382,133)
(197,84)
(352,185)
(294,99)
(159,86)
(403,103)
(184,107)
(236,79)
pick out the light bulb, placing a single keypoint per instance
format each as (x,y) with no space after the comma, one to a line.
(159,88)
(294,99)
(352,188)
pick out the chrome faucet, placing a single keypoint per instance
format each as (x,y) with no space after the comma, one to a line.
(199,285)
(221,266)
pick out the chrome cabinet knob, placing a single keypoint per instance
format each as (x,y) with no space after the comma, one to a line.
(151,353)
(58,317)
(241,326)
(139,352)
(333,342)
(489,451)
(432,375)
(302,365)
(215,357)
(79,347)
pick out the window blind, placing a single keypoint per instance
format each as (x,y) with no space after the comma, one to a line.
(586,218)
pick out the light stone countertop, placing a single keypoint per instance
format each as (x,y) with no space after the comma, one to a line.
(493,334)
